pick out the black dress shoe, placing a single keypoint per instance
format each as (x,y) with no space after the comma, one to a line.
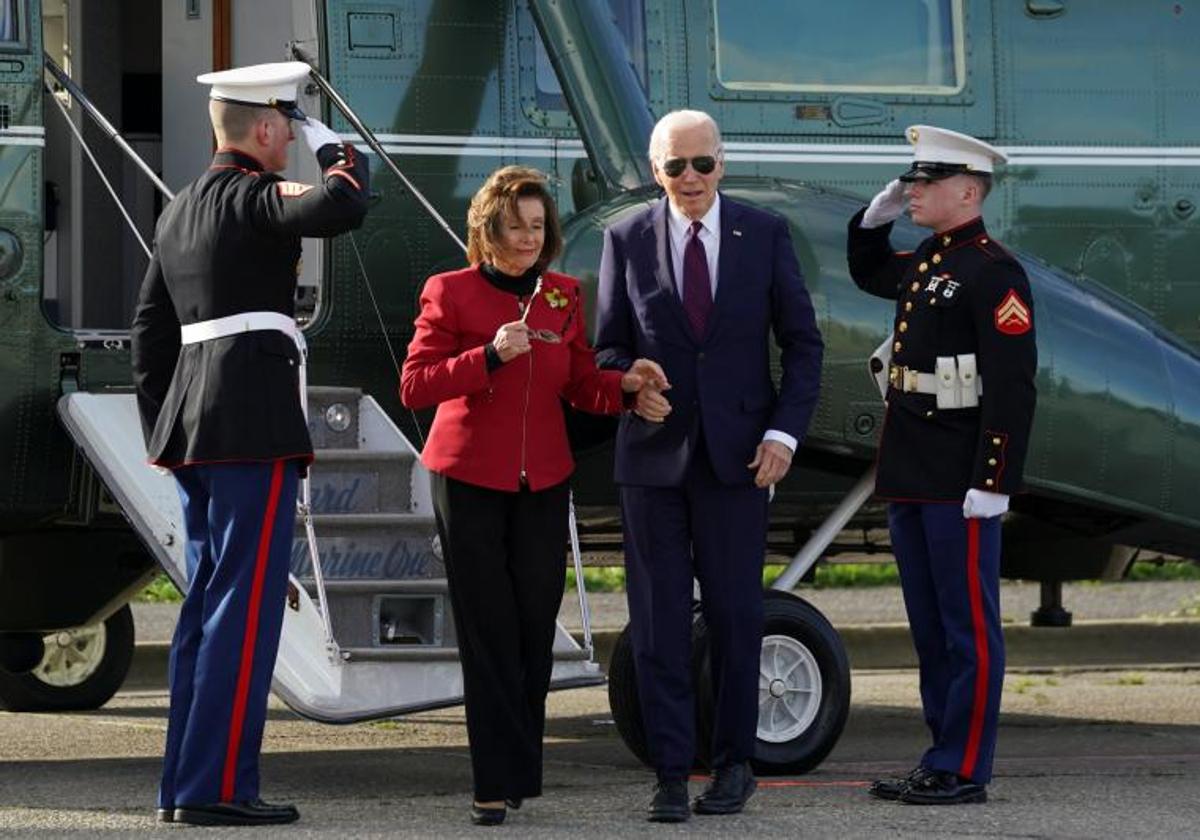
(940,788)
(487,816)
(254,812)
(515,804)
(891,789)
(670,802)
(165,815)
(729,790)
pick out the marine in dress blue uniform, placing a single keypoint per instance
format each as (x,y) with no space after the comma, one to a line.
(217,361)
(960,399)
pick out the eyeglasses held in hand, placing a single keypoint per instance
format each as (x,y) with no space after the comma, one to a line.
(704,164)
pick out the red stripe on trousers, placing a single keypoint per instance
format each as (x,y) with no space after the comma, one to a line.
(979,707)
(246,668)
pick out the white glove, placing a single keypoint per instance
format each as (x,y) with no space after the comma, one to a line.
(980,504)
(886,206)
(317,134)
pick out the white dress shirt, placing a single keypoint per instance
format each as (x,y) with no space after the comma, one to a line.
(679,229)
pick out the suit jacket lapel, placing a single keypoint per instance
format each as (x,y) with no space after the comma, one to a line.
(727,260)
(657,238)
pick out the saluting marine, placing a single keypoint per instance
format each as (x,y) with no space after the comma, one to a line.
(218,365)
(960,396)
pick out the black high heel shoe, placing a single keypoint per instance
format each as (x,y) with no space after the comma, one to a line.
(487,816)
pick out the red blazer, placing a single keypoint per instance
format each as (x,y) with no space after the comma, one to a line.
(491,428)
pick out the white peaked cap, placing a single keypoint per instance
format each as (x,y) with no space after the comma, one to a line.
(940,153)
(263,85)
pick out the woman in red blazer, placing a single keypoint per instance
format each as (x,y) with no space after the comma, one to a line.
(497,345)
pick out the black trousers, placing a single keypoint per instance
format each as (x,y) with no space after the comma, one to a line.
(506,566)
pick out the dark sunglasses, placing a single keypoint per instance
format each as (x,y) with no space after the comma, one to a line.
(704,164)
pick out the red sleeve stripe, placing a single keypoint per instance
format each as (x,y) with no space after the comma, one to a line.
(343,173)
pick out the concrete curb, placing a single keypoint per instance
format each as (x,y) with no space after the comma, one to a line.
(1129,644)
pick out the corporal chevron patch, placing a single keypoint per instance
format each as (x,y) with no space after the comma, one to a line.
(292,189)
(1012,315)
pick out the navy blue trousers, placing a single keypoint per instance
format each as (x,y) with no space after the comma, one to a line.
(950,574)
(239,519)
(716,534)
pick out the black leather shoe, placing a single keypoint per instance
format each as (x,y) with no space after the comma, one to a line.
(515,804)
(255,812)
(940,788)
(729,790)
(670,802)
(891,789)
(165,815)
(487,816)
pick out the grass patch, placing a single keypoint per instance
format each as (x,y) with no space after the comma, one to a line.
(159,591)
(833,575)
(1164,570)
(600,578)
(1131,679)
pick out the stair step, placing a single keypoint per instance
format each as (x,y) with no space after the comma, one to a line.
(432,654)
(361,481)
(370,546)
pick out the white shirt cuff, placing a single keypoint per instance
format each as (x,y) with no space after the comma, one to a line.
(783,437)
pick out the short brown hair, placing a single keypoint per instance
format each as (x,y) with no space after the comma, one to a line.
(233,122)
(496,199)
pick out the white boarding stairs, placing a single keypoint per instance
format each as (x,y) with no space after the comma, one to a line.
(393,647)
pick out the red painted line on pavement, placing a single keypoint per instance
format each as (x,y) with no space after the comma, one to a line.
(790,783)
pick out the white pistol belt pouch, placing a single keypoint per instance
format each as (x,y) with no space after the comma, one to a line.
(958,383)
(252,322)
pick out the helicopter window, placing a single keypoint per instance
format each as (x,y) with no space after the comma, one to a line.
(12,24)
(630,17)
(902,46)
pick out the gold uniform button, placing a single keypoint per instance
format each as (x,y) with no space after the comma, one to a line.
(932,301)
(908,306)
(915,286)
(995,441)
(946,240)
(991,462)
(896,347)
(923,267)
(903,326)
(937,258)
(928,413)
(983,241)
(989,482)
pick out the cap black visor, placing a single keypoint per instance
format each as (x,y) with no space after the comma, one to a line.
(923,170)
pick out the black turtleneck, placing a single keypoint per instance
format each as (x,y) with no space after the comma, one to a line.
(520,285)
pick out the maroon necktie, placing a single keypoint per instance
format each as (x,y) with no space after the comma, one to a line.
(697,291)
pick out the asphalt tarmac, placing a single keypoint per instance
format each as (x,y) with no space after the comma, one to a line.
(1082,754)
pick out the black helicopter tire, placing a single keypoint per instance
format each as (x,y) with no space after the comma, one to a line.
(804,660)
(82,675)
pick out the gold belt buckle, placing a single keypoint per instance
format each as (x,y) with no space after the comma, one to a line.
(910,380)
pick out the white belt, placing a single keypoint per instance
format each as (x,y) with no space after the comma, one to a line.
(244,322)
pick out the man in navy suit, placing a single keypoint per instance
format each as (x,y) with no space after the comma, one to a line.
(698,282)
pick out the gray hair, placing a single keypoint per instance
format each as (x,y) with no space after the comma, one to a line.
(681,119)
